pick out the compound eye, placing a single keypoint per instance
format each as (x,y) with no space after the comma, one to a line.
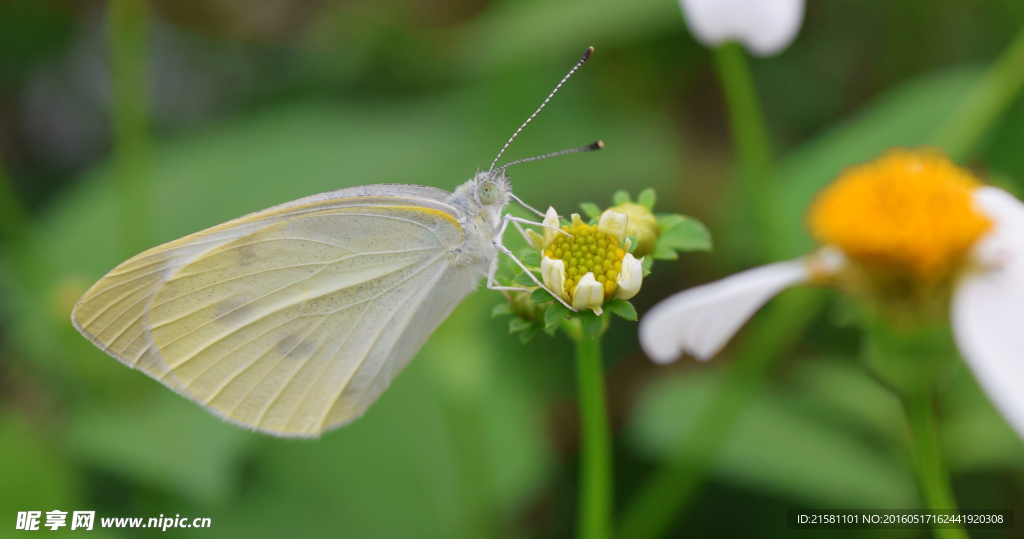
(487,193)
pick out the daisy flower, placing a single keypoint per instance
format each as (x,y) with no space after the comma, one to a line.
(919,243)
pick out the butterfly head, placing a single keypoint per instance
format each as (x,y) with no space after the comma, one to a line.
(492,189)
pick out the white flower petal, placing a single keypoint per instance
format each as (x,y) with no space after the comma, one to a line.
(550,220)
(631,276)
(699,321)
(765,27)
(589,294)
(614,224)
(552,272)
(988,308)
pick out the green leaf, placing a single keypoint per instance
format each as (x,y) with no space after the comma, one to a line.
(529,333)
(551,330)
(530,258)
(541,296)
(518,324)
(501,309)
(663,253)
(555,314)
(688,234)
(620,197)
(523,279)
(783,444)
(591,322)
(646,198)
(132,442)
(621,308)
(590,209)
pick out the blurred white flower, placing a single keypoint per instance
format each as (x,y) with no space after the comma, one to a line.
(764,27)
(946,232)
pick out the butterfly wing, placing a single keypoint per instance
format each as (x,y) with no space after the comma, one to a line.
(291,320)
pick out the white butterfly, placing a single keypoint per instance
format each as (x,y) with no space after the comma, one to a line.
(294,319)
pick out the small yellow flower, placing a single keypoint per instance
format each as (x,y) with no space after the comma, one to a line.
(588,264)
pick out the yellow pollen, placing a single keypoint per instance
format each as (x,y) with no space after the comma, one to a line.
(583,253)
(910,210)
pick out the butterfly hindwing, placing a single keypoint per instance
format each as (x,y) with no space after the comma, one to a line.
(291,320)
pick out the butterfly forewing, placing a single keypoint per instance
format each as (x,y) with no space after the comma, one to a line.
(291,320)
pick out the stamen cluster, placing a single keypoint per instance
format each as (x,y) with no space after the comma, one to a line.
(588,250)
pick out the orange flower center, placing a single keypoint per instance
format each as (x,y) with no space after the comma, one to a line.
(910,210)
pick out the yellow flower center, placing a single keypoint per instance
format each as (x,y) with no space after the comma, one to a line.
(911,211)
(587,251)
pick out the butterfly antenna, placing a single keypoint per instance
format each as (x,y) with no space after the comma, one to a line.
(593,146)
(589,51)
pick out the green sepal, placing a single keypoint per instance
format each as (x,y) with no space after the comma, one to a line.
(541,296)
(551,330)
(634,242)
(646,198)
(620,197)
(591,210)
(523,279)
(518,324)
(621,308)
(530,258)
(591,323)
(501,309)
(555,314)
(529,333)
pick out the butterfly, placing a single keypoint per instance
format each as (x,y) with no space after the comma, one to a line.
(293,320)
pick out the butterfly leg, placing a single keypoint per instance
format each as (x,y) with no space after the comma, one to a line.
(516,220)
(493,285)
(501,247)
(522,232)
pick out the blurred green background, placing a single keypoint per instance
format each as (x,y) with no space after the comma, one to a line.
(123,129)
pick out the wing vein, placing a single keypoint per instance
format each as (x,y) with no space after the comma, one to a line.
(327,364)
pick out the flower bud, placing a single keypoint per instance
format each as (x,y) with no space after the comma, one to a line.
(641,224)
(614,224)
(589,294)
(630,277)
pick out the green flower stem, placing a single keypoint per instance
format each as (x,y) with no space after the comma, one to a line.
(997,90)
(126,39)
(932,477)
(665,496)
(750,137)
(595,488)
